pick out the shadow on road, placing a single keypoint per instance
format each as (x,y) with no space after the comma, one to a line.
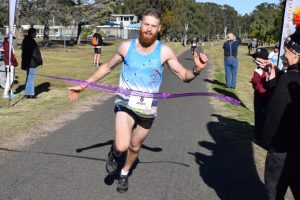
(110,142)
(52,154)
(109,179)
(230,169)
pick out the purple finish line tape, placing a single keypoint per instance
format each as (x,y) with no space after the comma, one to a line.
(116,89)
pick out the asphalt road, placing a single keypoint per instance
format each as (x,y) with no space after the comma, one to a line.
(186,156)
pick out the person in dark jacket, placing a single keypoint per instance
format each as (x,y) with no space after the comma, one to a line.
(281,135)
(261,93)
(31,59)
(230,59)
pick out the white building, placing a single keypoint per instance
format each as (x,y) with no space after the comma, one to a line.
(55,32)
(121,26)
(123,19)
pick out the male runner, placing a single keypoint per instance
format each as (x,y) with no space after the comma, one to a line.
(142,71)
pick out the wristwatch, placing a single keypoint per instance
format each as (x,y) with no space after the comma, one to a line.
(196,73)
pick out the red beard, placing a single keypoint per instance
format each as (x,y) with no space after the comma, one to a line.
(146,41)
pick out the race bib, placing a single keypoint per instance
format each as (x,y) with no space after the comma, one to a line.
(140,102)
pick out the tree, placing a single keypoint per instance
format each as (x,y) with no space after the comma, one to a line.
(230,17)
(3,12)
(265,23)
(100,11)
(43,11)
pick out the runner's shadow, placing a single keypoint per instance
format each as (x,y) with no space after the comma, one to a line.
(109,179)
(230,167)
(110,142)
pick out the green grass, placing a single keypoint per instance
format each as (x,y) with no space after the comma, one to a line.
(23,116)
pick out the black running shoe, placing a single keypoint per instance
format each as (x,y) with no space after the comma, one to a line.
(122,183)
(111,164)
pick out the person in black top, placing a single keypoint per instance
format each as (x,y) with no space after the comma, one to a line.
(97,48)
(31,59)
(281,132)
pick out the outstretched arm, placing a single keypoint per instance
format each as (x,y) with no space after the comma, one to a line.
(185,74)
(101,72)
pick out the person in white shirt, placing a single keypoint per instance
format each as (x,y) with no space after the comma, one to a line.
(274,55)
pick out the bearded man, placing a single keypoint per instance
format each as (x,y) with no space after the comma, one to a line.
(143,60)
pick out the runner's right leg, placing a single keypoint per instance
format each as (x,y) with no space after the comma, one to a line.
(123,127)
(139,134)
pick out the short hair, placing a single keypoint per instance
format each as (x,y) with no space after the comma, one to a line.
(152,12)
(31,30)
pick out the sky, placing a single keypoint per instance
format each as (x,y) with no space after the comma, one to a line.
(241,6)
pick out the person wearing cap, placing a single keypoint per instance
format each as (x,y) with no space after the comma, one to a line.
(31,59)
(281,135)
(261,93)
(274,55)
(254,45)
(230,59)
(10,68)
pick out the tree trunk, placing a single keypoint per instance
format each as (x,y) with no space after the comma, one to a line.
(79,32)
(46,33)
(186,27)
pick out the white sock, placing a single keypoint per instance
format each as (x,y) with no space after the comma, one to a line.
(124,173)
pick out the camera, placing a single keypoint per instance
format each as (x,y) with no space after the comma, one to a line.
(257,62)
(260,64)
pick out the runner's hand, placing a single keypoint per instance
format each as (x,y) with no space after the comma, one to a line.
(200,60)
(74,91)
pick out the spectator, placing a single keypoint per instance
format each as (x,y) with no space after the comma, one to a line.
(274,55)
(194,45)
(31,59)
(230,59)
(97,43)
(281,130)
(10,69)
(261,94)
(249,47)
(254,45)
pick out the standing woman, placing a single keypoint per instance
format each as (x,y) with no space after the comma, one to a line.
(31,59)
(281,130)
(10,75)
